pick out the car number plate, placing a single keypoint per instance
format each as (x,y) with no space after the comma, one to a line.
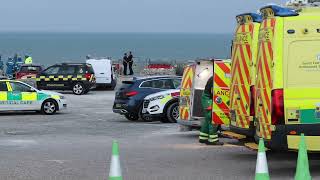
(118,105)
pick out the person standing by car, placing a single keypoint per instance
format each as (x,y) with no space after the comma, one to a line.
(125,63)
(208,131)
(28,59)
(130,61)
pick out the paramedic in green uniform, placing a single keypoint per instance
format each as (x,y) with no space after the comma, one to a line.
(208,131)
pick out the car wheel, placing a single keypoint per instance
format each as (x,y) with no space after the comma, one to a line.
(78,88)
(173,112)
(132,117)
(49,107)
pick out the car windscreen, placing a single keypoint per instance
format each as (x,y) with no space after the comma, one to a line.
(30,69)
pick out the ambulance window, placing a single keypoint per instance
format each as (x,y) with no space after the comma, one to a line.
(19,87)
(3,86)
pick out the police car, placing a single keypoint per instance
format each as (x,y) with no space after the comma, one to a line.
(77,77)
(19,96)
(163,106)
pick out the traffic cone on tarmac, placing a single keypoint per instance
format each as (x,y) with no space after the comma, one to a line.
(115,169)
(262,172)
(302,171)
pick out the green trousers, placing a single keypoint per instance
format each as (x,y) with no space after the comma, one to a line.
(208,130)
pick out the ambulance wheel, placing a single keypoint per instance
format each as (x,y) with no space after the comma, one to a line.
(49,107)
(78,88)
(173,113)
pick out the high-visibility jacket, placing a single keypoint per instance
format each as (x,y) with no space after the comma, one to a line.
(28,60)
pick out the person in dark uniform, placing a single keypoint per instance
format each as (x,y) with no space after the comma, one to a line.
(208,131)
(130,61)
(125,63)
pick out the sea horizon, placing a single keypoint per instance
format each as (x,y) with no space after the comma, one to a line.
(55,47)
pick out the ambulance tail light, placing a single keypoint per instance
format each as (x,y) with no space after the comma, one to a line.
(277,107)
(252,96)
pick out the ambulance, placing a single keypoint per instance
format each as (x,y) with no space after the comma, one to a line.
(244,53)
(287,98)
(194,80)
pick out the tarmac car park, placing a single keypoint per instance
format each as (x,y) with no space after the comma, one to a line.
(77,77)
(163,106)
(19,96)
(129,97)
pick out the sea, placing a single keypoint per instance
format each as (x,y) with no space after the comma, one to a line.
(51,48)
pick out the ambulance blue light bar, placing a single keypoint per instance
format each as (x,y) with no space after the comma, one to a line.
(280,11)
(255,17)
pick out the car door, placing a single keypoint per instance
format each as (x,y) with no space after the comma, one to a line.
(22,96)
(3,96)
(65,75)
(47,78)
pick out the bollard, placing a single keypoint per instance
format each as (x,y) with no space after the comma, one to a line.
(302,171)
(262,172)
(115,168)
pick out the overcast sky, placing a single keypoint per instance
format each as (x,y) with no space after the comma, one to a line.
(213,16)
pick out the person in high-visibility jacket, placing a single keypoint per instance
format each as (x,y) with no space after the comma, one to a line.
(28,60)
(208,131)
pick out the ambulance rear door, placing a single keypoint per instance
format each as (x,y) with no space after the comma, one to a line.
(221,89)
(186,92)
(243,70)
(302,70)
(203,72)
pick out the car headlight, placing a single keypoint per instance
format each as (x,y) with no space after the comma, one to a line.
(62,97)
(156,98)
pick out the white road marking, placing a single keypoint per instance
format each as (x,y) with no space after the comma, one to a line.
(57,161)
(17,142)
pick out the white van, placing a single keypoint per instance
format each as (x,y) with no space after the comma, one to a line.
(103,72)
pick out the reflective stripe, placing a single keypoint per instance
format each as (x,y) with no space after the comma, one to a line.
(213,136)
(203,138)
(26,96)
(262,166)
(204,134)
(61,78)
(115,170)
(213,140)
(3,96)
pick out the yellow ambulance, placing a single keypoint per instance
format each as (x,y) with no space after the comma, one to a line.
(287,99)
(244,53)
(194,80)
